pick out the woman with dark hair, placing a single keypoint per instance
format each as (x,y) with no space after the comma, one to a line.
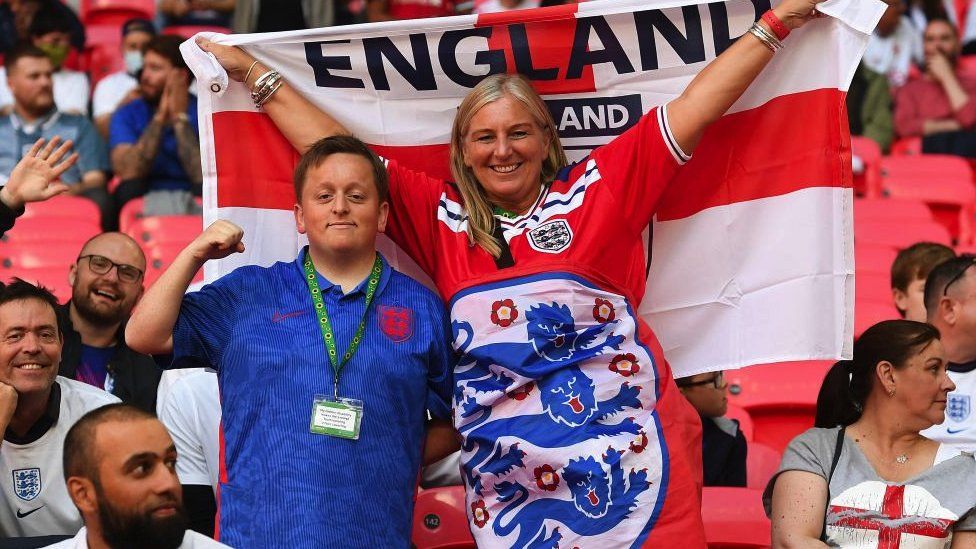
(864,476)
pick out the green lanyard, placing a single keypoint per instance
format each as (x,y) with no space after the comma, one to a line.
(311,278)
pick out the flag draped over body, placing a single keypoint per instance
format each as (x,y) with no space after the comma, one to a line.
(750,256)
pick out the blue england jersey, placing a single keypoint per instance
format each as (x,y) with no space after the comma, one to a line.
(281,485)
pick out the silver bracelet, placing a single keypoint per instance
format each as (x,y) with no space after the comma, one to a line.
(771,42)
(271,92)
(267,85)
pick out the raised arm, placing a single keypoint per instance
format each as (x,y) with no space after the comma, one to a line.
(150,330)
(726,78)
(36,177)
(301,122)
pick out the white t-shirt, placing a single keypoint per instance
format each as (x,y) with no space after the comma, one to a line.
(70,91)
(35,499)
(191,413)
(892,55)
(191,540)
(959,428)
(109,92)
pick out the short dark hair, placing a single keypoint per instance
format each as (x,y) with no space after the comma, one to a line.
(168,47)
(940,277)
(326,147)
(50,19)
(944,20)
(917,261)
(79,458)
(19,52)
(19,290)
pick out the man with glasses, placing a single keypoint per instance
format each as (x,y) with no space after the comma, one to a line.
(723,444)
(950,301)
(106,282)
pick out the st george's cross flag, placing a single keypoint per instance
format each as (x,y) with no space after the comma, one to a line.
(750,255)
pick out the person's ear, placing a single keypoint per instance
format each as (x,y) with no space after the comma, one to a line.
(73,274)
(885,372)
(299,218)
(947,310)
(82,493)
(384,216)
(901,300)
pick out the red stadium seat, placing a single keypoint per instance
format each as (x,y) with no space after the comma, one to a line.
(943,182)
(872,286)
(103,60)
(131,212)
(188,31)
(886,209)
(116,11)
(742,416)
(439,520)
(907,146)
(781,398)
(42,229)
(867,183)
(165,229)
(899,234)
(872,258)
(734,518)
(36,255)
(63,207)
(159,258)
(52,278)
(869,313)
(762,462)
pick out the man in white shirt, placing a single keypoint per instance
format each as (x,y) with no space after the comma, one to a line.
(36,411)
(191,413)
(120,87)
(950,300)
(120,469)
(895,44)
(51,32)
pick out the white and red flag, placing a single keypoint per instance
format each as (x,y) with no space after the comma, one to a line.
(750,256)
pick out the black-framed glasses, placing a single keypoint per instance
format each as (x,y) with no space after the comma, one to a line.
(102,265)
(959,275)
(717,381)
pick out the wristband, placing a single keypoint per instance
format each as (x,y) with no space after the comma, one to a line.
(779,29)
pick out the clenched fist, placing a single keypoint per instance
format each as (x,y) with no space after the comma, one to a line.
(218,241)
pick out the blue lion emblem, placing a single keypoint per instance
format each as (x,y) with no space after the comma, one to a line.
(553,341)
(958,407)
(27,483)
(571,414)
(600,503)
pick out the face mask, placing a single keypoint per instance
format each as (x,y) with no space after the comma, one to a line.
(56,53)
(133,61)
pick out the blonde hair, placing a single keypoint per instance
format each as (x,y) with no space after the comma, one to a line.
(481,218)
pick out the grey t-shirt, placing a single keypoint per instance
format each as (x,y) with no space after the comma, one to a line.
(866,511)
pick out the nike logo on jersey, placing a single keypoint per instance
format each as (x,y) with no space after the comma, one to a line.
(954,431)
(278,317)
(22,515)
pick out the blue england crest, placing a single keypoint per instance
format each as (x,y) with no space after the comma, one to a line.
(27,483)
(958,407)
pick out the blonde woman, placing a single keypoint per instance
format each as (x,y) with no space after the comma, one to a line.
(574,432)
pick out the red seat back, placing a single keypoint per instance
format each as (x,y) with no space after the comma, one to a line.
(52,229)
(874,258)
(440,521)
(116,11)
(34,255)
(867,183)
(52,278)
(745,421)
(63,207)
(160,257)
(762,462)
(872,286)
(899,234)
(165,229)
(887,209)
(734,518)
(869,313)
(188,31)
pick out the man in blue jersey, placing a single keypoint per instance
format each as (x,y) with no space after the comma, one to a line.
(327,366)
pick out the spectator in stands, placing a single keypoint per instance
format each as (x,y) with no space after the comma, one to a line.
(894,45)
(50,32)
(920,12)
(36,410)
(869,107)
(191,413)
(866,447)
(387,10)
(944,100)
(282,15)
(908,273)
(950,299)
(723,444)
(154,143)
(197,12)
(35,178)
(106,281)
(258,327)
(16,17)
(35,115)
(120,469)
(120,88)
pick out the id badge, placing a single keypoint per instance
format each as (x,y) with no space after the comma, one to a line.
(336,417)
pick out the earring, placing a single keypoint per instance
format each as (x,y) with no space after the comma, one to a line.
(891,392)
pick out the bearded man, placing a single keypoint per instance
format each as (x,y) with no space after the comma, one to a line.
(106,282)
